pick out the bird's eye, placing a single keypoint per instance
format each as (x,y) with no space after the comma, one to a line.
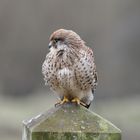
(57,39)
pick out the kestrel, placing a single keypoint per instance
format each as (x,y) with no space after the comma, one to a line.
(69,68)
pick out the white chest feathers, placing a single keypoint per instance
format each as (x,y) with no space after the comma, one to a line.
(65,77)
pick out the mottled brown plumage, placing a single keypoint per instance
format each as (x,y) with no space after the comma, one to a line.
(69,67)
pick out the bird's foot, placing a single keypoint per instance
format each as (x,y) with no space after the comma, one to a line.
(65,100)
(77,100)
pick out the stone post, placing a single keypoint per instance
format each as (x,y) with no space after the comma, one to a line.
(69,122)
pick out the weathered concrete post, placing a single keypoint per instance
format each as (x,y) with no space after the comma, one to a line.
(69,122)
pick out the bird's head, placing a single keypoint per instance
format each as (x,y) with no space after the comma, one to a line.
(63,40)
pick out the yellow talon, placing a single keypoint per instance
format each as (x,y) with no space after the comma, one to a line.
(65,99)
(77,100)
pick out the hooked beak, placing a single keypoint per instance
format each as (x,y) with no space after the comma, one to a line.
(50,45)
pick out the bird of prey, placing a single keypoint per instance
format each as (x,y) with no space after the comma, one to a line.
(69,68)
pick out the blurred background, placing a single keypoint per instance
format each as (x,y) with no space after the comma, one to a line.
(110,27)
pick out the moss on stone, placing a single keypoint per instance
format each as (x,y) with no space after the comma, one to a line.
(70,122)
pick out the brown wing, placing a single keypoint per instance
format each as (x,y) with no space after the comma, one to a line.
(85,71)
